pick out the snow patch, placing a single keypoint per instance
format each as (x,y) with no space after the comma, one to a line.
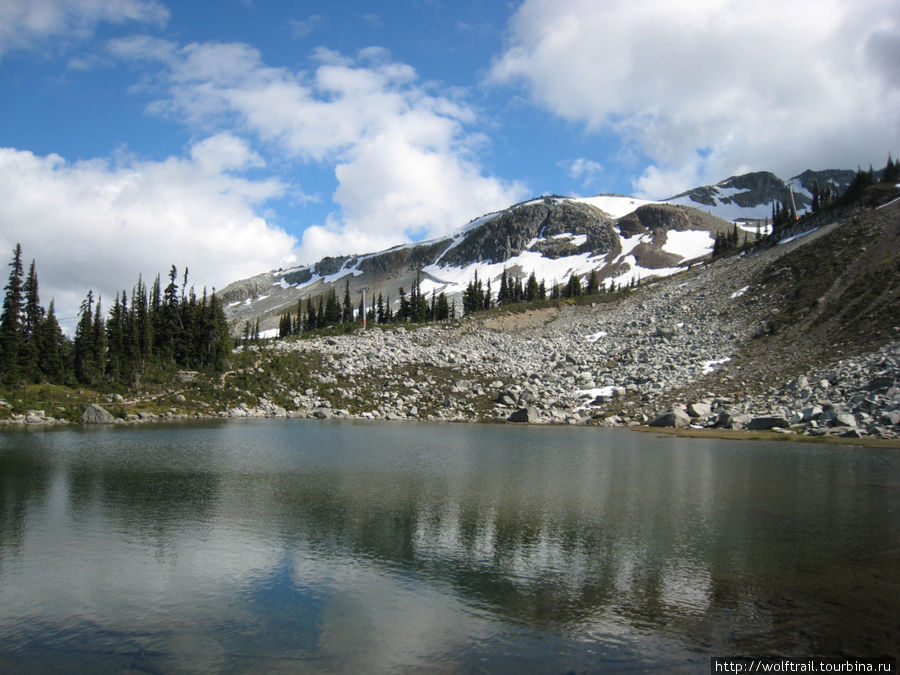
(616,206)
(602,392)
(710,366)
(796,236)
(689,244)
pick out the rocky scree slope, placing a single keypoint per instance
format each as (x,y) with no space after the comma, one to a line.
(800,337)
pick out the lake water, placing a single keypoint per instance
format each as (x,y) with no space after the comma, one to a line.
(349,547)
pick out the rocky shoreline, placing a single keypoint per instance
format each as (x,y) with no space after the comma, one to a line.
(673,353)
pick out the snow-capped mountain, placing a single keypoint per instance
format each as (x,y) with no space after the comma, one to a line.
(750,196)
(621,238)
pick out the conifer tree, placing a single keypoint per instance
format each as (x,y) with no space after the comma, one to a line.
(347,305)
(11,321)
(442,309)
(403,310)
(32,318)
(52,348)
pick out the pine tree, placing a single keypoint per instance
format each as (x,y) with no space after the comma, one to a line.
(83,345)
(532,288)
(11,322)
(503,293)
(442,309)
(347,305)
(33,317)
(404,310)
(891,173)
(52,346)
(593,285)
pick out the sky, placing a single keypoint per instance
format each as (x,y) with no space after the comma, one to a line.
(232,137)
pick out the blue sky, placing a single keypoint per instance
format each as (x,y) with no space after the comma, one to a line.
(238,136)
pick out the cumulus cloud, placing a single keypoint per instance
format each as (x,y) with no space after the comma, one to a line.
(97,224)
(711,88)
(405,162)
(26,23)
(585,170)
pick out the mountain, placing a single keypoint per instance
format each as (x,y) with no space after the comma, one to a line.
(621,238)
(750,196)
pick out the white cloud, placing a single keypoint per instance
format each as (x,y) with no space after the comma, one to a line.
(302,28)
(97,225)
(25,23)
(710,88)
(405,163)
(585,170)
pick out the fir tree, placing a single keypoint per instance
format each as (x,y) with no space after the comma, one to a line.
(347,305)
(532,288)
(11,321)
(52,348)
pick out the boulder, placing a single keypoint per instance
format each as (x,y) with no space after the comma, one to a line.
(767,422)
(666,332)
(699,409)
(676,417)
(94,414)
(523,415)
(844,419)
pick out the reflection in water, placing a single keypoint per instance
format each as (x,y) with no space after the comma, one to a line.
(377,547)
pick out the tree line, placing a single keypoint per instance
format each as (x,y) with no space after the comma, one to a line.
(327,312)
(149,330)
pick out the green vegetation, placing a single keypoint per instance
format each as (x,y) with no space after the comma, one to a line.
(145,338)
(324,315)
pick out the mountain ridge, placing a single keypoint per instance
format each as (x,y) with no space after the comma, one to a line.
(620,237)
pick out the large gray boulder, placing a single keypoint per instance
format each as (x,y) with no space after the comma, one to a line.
(676,417)
(524,415)
(94,414)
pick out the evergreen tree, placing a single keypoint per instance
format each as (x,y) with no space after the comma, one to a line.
(404,309)
(593,285)
(347,305)
(891,173)
(11,321)
(442,308)
(52,347)
(83,346)
(418,304)
(98,346)
(33,317)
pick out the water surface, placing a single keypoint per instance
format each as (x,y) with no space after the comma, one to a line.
(335,547)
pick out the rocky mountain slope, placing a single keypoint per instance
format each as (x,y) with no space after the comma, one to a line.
(552,237)
(750,196)
(801,336)
(622,238)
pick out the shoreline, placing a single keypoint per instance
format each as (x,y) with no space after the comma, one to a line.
(48,424)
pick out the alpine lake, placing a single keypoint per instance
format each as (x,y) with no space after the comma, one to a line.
(324,546)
